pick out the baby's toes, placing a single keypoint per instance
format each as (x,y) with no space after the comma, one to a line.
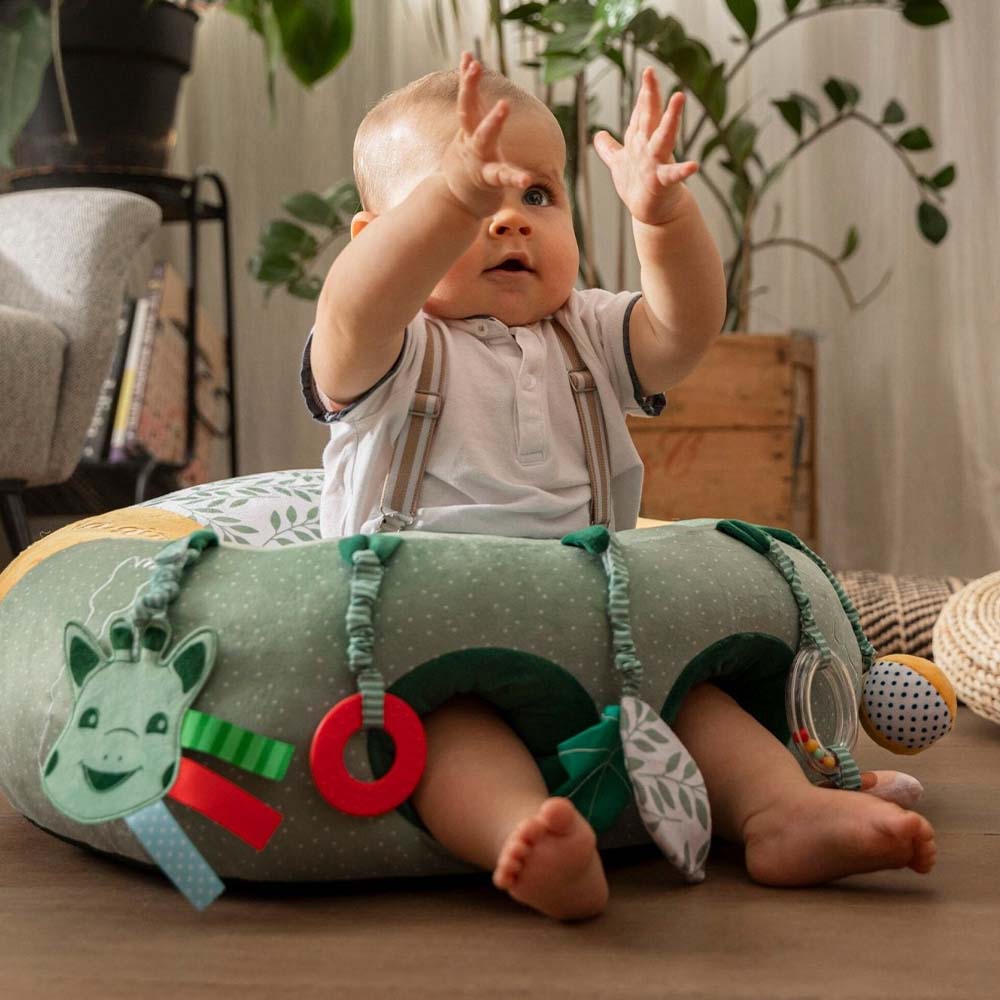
(924,849)
(506,872)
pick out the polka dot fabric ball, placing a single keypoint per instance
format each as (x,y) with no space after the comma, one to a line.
(907,704)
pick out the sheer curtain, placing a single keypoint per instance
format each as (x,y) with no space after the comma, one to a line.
(909,423)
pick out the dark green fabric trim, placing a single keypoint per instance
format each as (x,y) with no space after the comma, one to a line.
(751,667)
(537,698)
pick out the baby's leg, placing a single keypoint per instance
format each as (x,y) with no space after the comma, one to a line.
(483,797)
(795,833)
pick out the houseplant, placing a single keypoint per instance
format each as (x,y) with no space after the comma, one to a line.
(571,36)
(96,84)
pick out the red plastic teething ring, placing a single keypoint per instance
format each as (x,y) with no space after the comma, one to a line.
(367,798)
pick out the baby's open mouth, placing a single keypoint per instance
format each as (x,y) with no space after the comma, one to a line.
(511,264)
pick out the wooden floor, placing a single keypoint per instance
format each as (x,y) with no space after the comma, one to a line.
(76,925)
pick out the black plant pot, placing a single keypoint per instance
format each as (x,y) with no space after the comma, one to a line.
(123,61)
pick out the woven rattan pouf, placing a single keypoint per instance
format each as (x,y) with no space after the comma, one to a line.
(967,644)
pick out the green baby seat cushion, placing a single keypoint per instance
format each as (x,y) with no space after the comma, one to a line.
(212,631)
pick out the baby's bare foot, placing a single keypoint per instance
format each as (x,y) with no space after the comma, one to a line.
(550,862)
(825,833)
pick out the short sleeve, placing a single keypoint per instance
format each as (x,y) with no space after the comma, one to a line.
(319,405)
(603,318)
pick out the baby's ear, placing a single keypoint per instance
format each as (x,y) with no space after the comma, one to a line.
(360,220)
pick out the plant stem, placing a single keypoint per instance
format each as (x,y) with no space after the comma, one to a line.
(746,267)
(583,169)
(57,65)
(878,129)
(768,35)
(496,15)
(831,262)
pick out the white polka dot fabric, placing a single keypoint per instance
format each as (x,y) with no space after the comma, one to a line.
(904,706)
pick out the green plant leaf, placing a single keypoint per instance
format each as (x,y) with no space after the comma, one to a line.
(944,177)
(560,66)
(792,113)
(841,92)
(273,269)
(307,288)
(315,35)
(525,12)
(310,207)
(617,14)
(915,139)
(644,26)
(850,243)
(790,6)
(933,225)
(25,53)
(745,12)
(809,107)
(283,237)
(893,113)
(925,13)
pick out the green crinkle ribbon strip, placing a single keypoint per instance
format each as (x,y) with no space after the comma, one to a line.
(868,653)
(599,541)
(807,620)
(248,750)
(150,604)
(367,555)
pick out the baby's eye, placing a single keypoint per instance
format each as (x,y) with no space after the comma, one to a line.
(537,196)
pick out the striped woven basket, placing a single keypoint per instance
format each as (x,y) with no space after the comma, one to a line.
(967,644)
(898,612)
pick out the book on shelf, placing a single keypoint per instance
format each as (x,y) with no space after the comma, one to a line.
(136,369)
(95,443)
(146,414)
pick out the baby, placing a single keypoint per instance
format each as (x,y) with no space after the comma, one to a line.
(467,234)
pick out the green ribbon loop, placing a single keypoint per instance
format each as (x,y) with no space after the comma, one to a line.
(778,558)
(597,540)
(848,775)
(151,602)
(868,653)
(367,555)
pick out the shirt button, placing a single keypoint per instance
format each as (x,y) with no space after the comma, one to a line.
(529,382)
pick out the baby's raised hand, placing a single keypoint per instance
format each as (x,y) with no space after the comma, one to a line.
(473,164)
(644,172)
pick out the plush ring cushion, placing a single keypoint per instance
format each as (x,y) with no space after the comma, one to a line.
(521,622)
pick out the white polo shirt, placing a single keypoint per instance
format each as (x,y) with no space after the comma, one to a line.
(508,455)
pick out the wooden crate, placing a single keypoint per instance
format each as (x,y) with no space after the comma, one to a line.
(737,437)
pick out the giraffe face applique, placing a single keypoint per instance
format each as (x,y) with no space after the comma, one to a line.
(121,747)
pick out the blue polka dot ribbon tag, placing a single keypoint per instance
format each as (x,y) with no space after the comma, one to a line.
(169,846)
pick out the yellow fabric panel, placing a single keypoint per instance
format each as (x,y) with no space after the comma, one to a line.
(130,522)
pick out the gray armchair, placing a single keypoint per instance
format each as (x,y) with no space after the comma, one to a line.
(64,257)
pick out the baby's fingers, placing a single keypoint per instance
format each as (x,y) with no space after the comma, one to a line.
(674,173)
(470,110)
(499,174)
(487,134)
(664,138)
(606,146)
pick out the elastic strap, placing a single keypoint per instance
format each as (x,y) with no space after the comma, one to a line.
(592,426)
(401,493)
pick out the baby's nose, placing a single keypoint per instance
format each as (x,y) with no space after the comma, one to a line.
(506,223)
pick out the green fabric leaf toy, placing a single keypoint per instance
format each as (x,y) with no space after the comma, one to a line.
(598,785)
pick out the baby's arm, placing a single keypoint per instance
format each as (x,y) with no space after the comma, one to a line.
(684,296)
(380,281)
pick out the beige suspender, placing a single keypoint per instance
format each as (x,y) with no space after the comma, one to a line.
(595,433)
(401,493)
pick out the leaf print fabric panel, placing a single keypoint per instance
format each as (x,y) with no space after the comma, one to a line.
(669,788)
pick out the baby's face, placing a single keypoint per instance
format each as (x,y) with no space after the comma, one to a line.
(532,232)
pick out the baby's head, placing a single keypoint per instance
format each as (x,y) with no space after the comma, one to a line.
(400,142)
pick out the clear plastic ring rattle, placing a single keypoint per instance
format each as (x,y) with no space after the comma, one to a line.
(818,756)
